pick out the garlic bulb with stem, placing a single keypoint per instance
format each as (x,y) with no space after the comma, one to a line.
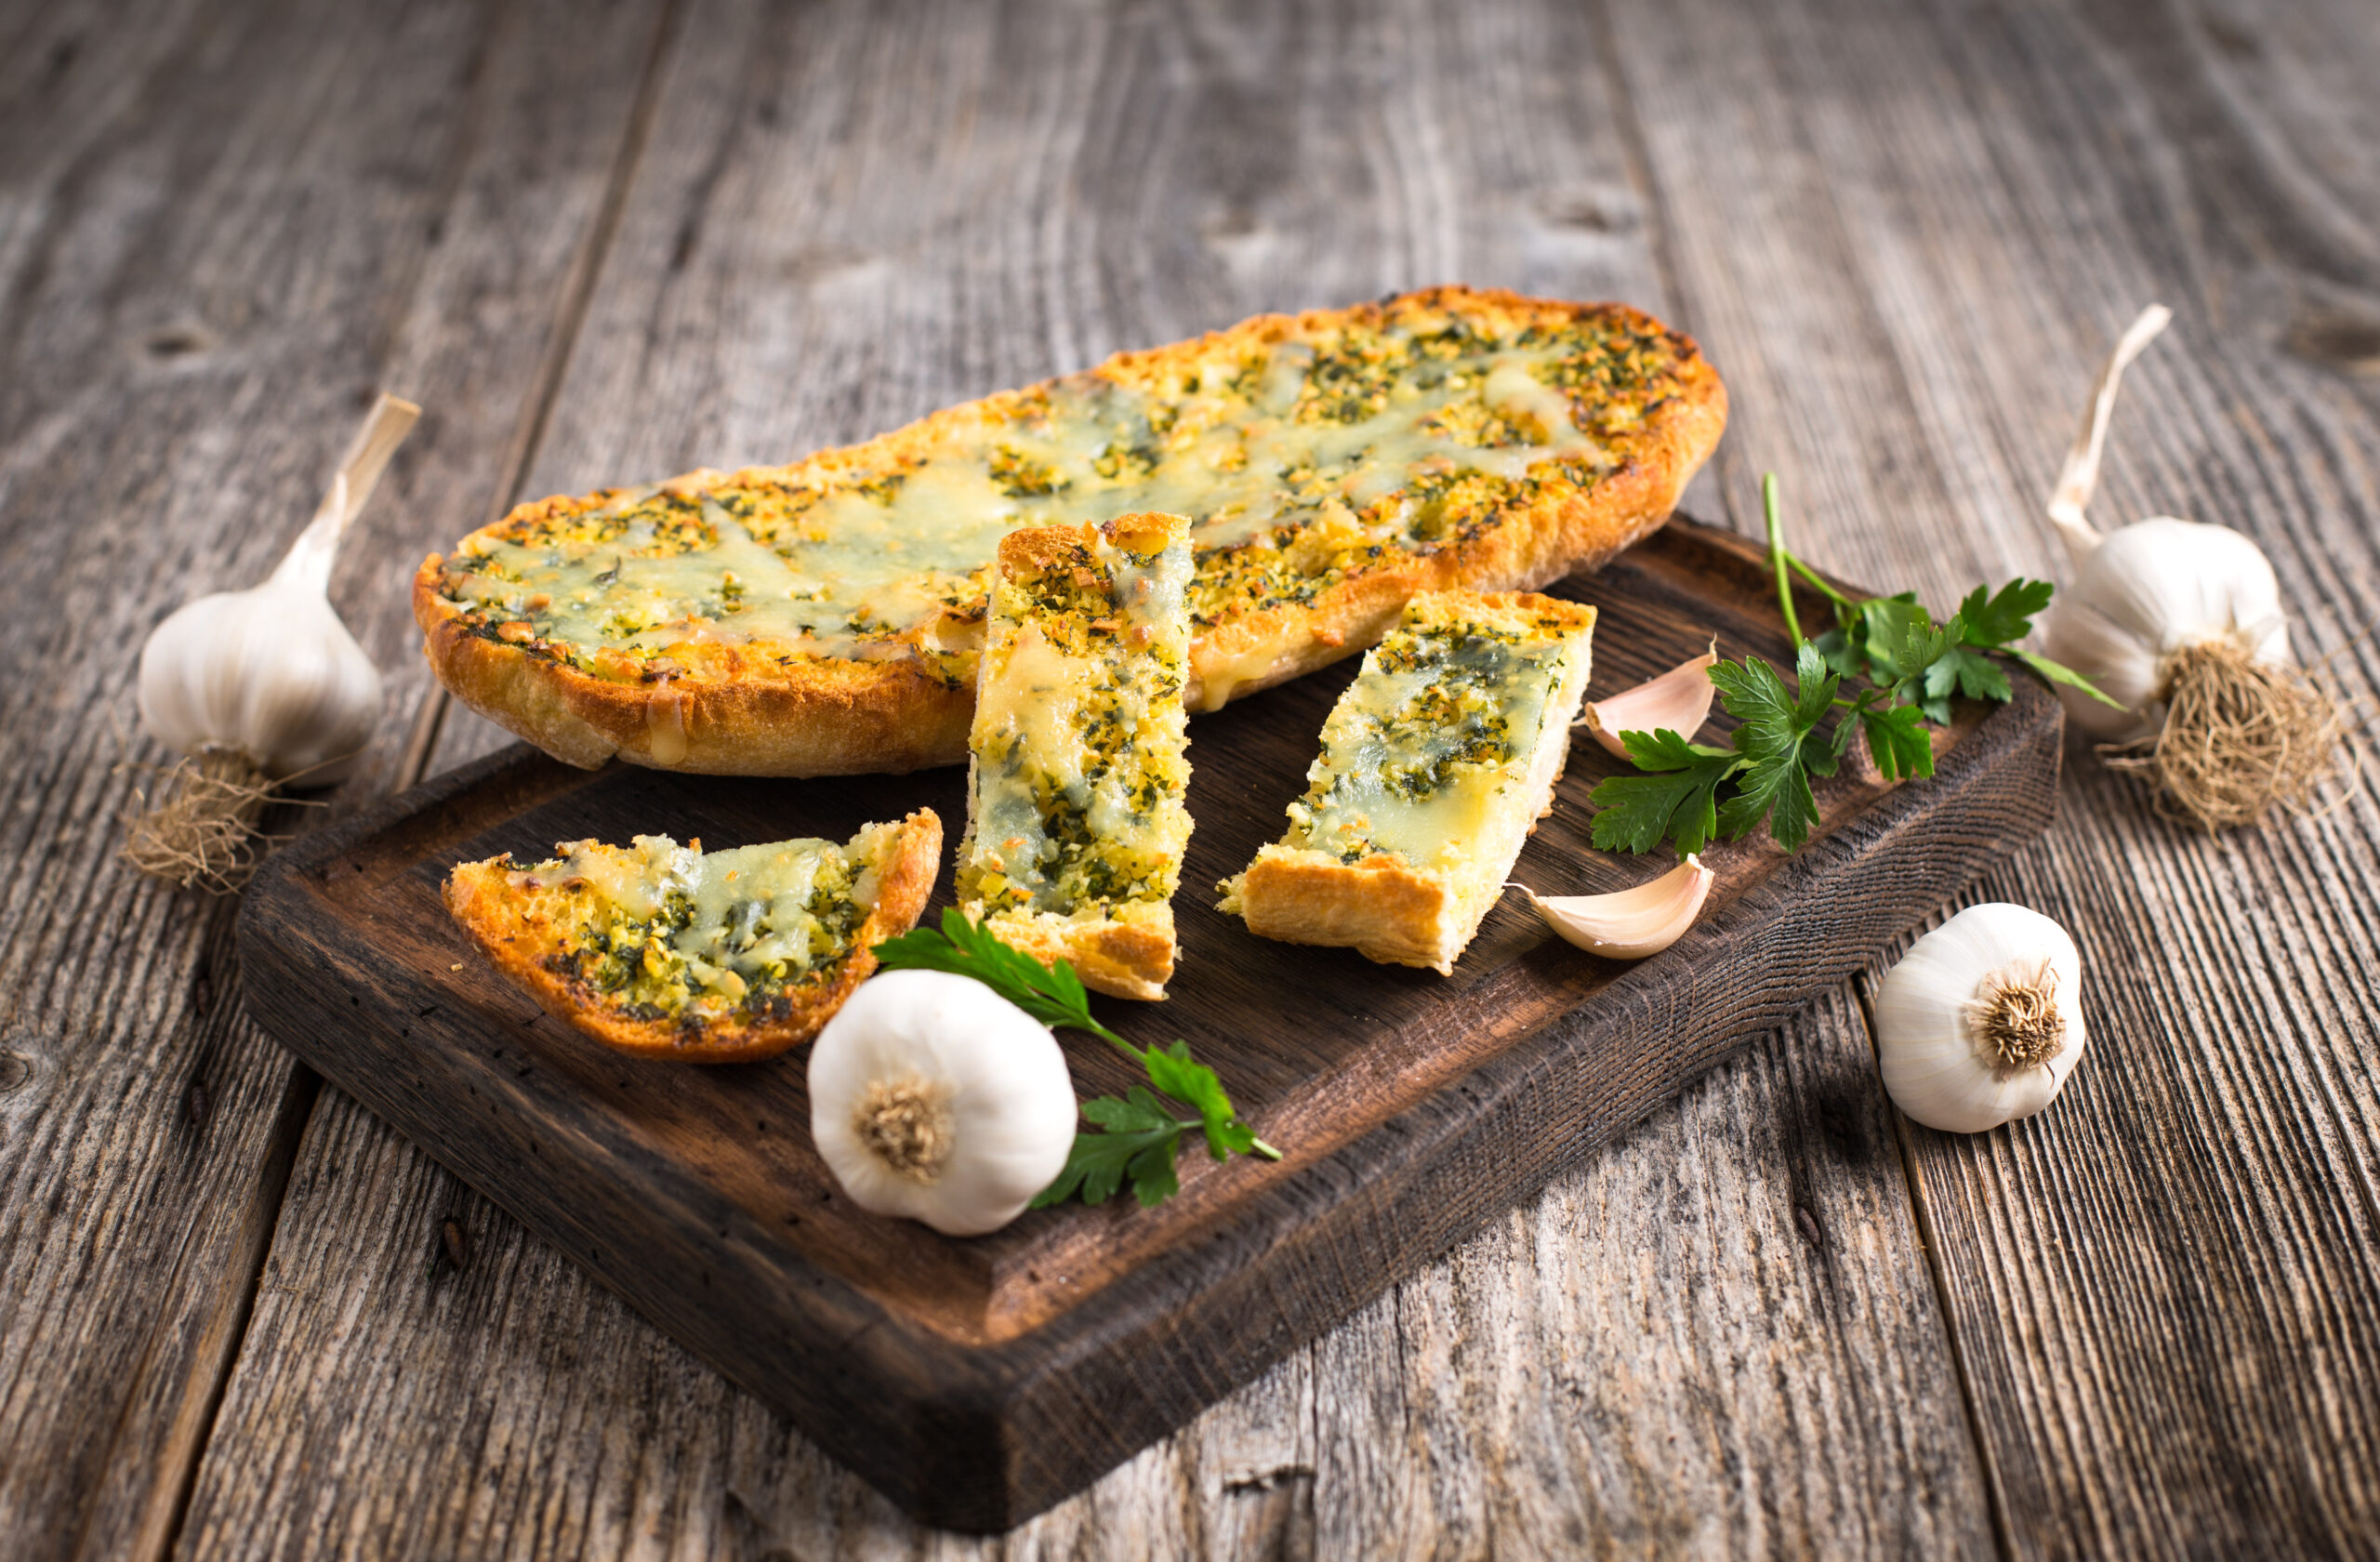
(1678,701)
(261,687)
(1629,924)
(1981,1021)
(934,1098)
(2181,624)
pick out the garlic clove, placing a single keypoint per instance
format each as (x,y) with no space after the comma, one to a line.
(935,1099)
(1981,1021)
(1630,924)
(1679,701)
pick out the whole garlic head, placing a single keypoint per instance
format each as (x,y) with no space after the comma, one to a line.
(933,1098)
(1981,1021)
(269,671)
(2146,592)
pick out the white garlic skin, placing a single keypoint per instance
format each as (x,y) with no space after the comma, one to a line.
(2146,592)
(271,672)
(1933,1064)
(1012,1102)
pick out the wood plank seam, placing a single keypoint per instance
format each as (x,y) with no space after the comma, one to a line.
(577,287)
(1930,1244)
(1637,159)
(159,1534)
(295,1119)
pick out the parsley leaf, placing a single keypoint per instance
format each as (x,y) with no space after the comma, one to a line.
(1913,667)
(1774,781)
(2003,616)
(1052,994)
(1179,1075)
(1139,1142)
(1897,739)
(1139,1135)
(1635,812)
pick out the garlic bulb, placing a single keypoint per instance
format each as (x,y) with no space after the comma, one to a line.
(1679,700)
(2146,594)
(1630,924)
(259,687)
(1981,1021)
(271,673)
(934,1098)
(2182,624)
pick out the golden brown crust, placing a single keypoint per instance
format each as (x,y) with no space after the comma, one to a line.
(1380,908)
(1131,958)
(820,717)
(1129,951)
(482,900)
(837,718)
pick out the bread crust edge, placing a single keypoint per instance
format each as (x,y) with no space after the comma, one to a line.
(906,866)
(846,718)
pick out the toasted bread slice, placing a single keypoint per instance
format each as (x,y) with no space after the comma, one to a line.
(1075,817)
(824,618)
(1437,762)
(722,957)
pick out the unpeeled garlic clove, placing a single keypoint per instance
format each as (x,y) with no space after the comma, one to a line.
(1679,701)
(1631,923)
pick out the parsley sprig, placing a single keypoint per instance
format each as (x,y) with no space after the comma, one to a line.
(1140,1133)
(1885,670)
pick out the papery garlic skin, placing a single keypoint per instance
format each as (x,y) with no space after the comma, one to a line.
(994,1075)
(269,673)
(1678,701)
(1630,924)
(1936,1064)
(2146,592)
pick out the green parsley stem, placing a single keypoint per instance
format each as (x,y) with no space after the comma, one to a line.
(1778,556)
(1814,579)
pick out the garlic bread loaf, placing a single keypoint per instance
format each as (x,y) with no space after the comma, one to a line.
(1076,820)
(1437,762)
(824,618)
(723,957)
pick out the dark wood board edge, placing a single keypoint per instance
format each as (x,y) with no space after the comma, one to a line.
(983,1437)
(1330,1240)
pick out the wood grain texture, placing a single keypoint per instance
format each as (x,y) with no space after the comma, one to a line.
(2163,1290)
(977,1382)
(223,227)
(1603,1373)
(1229,160)
(1904,234)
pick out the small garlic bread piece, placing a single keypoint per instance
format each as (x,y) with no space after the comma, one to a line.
(1074,819)
(669,951)
(1437,762)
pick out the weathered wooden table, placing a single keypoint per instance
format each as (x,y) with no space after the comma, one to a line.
(239,1317)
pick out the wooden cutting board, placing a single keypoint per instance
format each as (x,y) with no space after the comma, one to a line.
(976,1382)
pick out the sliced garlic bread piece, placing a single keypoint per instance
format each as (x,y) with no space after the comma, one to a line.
(824,618)
(1074,819)
(720,957)
(1437,762)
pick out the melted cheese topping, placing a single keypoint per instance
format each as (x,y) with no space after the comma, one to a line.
(1299,461)
(1444,728)
(1078,735)
(659,926)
